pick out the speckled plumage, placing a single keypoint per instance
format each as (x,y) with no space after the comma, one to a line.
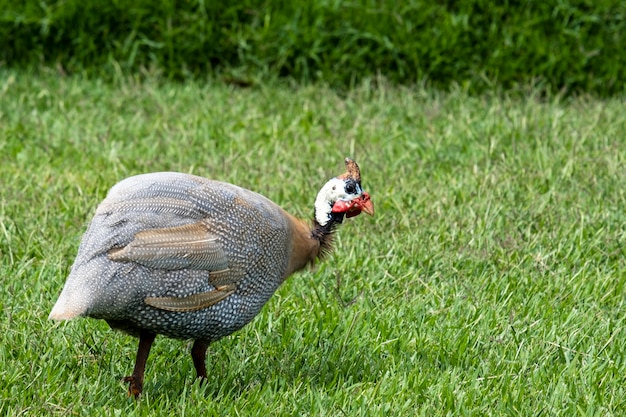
(247,225)
(190,258)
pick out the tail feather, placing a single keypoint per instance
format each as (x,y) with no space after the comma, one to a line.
(71,303)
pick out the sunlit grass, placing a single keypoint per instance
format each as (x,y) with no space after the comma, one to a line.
(490,281)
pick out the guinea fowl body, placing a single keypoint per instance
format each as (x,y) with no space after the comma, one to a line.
(254,233)
(192,258)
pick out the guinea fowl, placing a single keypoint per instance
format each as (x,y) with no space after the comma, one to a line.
(191,258)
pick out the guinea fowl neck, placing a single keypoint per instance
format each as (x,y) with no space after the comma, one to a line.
(324,233)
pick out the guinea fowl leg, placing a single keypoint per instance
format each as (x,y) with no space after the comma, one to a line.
(136,379)
(198,354)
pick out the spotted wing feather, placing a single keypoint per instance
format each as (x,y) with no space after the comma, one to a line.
(192,302)
(190,246)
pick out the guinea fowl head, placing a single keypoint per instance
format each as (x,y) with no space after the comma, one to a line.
(340,197)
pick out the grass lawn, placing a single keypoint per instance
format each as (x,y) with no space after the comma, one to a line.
(491,280)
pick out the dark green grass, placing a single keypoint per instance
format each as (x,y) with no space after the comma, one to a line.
(559,45)
(490,281)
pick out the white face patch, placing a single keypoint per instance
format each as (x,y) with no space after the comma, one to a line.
(332,191)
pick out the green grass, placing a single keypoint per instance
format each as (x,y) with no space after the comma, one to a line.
(559,45)
(490,281)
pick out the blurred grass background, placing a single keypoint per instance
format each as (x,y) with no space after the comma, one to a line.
(557,45)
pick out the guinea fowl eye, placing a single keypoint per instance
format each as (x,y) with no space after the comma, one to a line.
(350,188)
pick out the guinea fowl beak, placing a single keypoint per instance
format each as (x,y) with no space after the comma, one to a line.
(355,207)
(366,204)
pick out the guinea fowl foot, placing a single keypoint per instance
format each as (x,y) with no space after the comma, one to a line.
(135,386)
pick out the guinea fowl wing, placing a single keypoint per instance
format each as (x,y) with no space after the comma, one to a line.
(156,235)
(190,246)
